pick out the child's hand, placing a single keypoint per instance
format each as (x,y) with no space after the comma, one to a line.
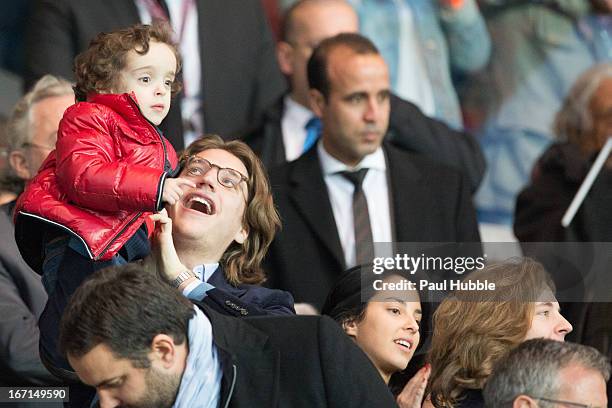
(173,189)
(168,262)
(414,391)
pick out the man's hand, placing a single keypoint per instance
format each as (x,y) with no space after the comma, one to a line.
(174,188)
(414,390)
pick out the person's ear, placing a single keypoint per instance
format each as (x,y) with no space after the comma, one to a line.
(317,102)
(241,235)
(163,350)
(284,55)
(524,401)
(351,328)
(20,164)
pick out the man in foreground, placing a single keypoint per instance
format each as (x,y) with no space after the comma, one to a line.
(141,343)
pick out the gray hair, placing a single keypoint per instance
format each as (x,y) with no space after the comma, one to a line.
(18,128)
(574,122)
(532,369)
(19,123)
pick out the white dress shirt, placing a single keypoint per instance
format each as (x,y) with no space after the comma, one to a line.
(340,191)
(293,125)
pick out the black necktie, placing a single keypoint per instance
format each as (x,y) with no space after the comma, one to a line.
(364,250)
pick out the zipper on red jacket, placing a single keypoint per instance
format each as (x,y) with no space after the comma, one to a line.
(167,166)
(117,236)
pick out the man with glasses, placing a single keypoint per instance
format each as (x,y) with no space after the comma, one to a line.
(546,373)
(209,245)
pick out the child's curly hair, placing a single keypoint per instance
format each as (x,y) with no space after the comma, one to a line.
(97,68)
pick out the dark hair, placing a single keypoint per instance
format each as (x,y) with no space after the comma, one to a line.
(344,303)
(123,307)
(317,64)
(97,68)
(242,262)
(533,368)
(347,300)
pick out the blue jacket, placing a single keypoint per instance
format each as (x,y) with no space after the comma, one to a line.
(454,41)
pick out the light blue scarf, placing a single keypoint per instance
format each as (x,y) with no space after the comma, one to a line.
(201,382)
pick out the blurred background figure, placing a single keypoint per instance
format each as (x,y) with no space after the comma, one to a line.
(582,126)
(9,183)
(539,49)
(31,130)
(229,70)
(288,127)
(424,42)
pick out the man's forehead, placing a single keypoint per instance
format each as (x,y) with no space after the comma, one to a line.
(223,158)
(98,365)
(46,114)
(346,67)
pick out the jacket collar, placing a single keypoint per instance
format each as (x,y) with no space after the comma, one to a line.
(308,192)
(245,354)
(124,104)
(217,279)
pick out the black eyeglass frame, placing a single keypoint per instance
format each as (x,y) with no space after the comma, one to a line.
(220,170)
(570,403)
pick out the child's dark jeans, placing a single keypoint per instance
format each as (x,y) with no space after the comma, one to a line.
(65,266)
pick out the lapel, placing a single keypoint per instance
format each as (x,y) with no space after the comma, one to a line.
(272,145)
(408,196)
(308,193)
(250,365)
(217,279)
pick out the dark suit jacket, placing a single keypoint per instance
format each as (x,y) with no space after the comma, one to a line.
(430,203)
(246,300)
(240,76)
(293,362)
(409,129)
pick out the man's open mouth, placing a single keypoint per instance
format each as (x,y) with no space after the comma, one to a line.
(200,203)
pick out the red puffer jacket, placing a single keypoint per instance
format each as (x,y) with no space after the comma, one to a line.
(104,178)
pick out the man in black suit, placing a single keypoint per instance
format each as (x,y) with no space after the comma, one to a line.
(226,46)
(408,197)
(142,344)
(280,134)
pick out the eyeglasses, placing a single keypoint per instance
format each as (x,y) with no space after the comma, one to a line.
(40,146)
(230,178)
(568,403)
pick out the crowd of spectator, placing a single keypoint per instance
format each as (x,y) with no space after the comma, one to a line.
(184,182)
